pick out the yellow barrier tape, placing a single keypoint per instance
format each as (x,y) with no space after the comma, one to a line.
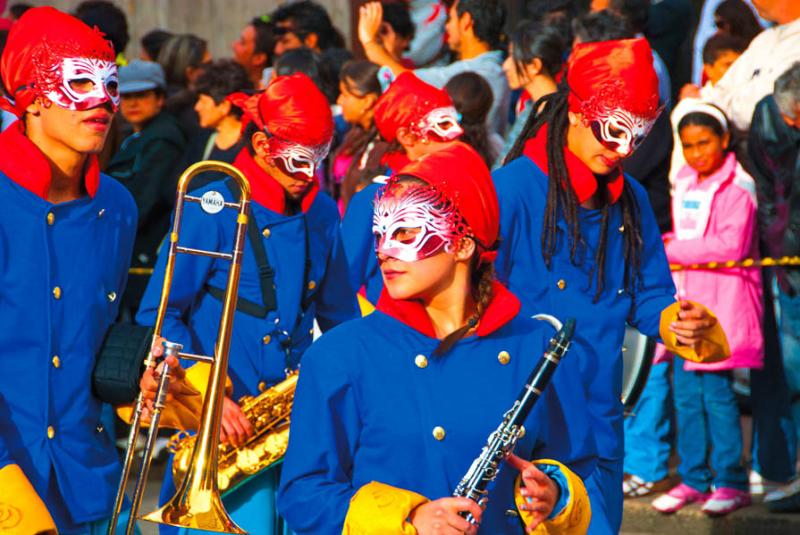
(786,261)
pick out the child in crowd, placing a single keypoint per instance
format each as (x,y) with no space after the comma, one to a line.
(472,97)
(719,53)
(714,219)
(147,164)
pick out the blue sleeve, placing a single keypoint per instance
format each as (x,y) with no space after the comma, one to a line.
(315,488)
(512,218)
(357,237)
(198,230)
(655,290)
(336,301)
(5,456)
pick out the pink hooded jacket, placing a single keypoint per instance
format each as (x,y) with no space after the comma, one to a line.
(718,216)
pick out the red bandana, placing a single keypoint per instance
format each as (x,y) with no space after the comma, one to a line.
(266,190)
(26,165)
(503,307)
(583,181)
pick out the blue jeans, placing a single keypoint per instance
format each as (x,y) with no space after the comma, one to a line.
(649,430)
(789,329)
(708,419)
(774,430)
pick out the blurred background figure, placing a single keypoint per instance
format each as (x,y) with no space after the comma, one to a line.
(253,50)
(472,97)
(181,57)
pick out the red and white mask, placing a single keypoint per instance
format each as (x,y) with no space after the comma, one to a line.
(441,123)
(298,161)
(415,223)
(84,83)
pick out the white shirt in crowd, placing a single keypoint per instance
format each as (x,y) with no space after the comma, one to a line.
(753,75)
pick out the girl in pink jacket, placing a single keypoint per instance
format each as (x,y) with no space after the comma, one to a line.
(714,219)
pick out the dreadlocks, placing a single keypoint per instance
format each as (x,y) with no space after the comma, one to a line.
(561,198)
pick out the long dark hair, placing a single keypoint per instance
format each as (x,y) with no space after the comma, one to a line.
(472,97)
(534,40)
(737,19)
(361,79)
(551,110)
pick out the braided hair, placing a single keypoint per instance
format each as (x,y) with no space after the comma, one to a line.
(562,200)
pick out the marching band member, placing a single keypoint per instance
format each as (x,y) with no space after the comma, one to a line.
(67,234)
(392,408)
(580,238)
(421,119)
(293,271)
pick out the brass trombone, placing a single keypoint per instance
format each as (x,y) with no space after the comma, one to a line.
(197,503)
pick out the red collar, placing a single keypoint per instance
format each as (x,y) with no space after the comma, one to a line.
(266,190)
(583,181)
(524,99)
(395,160)
(503,307)
(25,164)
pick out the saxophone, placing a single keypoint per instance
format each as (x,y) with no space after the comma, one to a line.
(269,415)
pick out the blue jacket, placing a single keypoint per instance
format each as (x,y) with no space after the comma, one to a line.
(564,290)
(359,243)
(63,270)
(365,410)
(257,358)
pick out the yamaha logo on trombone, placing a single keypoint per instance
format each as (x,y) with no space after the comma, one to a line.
(212,202)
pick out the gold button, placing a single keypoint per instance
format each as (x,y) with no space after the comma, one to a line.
(438,433)
(267,339)
(51,218)
(56,361)
(312,285)
(561,284)
(101,212)
(266,232)
(100,428)
(521,431)
(504,357)
(262,386)
(50,432)
(421,361)
(622,228)
(112,296)
(57,292)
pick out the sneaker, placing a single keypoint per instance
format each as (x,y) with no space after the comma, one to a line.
(677,498)
(726,500)
(759,485)
(784,500)
(636,487)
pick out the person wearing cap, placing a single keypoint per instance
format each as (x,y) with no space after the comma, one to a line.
(422,120)
(67,233)
(147,164)
(392,409)
(580,238)
(293,272)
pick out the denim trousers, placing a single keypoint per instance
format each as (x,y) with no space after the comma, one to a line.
(649,429)
(709,436)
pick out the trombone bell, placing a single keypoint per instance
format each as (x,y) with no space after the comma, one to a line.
(200,510)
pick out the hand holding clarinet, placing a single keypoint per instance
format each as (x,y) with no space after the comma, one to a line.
(462,512)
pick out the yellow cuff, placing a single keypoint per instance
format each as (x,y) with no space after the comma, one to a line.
(366,307)
(713,348)
(183,412)
(378,509)
(575,517)
(21,508)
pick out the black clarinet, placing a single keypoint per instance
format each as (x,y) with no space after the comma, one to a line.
(501,442)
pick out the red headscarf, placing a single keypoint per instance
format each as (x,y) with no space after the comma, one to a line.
(291,108)
(407,101)
(37,44)
(460,174)
(613,75)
